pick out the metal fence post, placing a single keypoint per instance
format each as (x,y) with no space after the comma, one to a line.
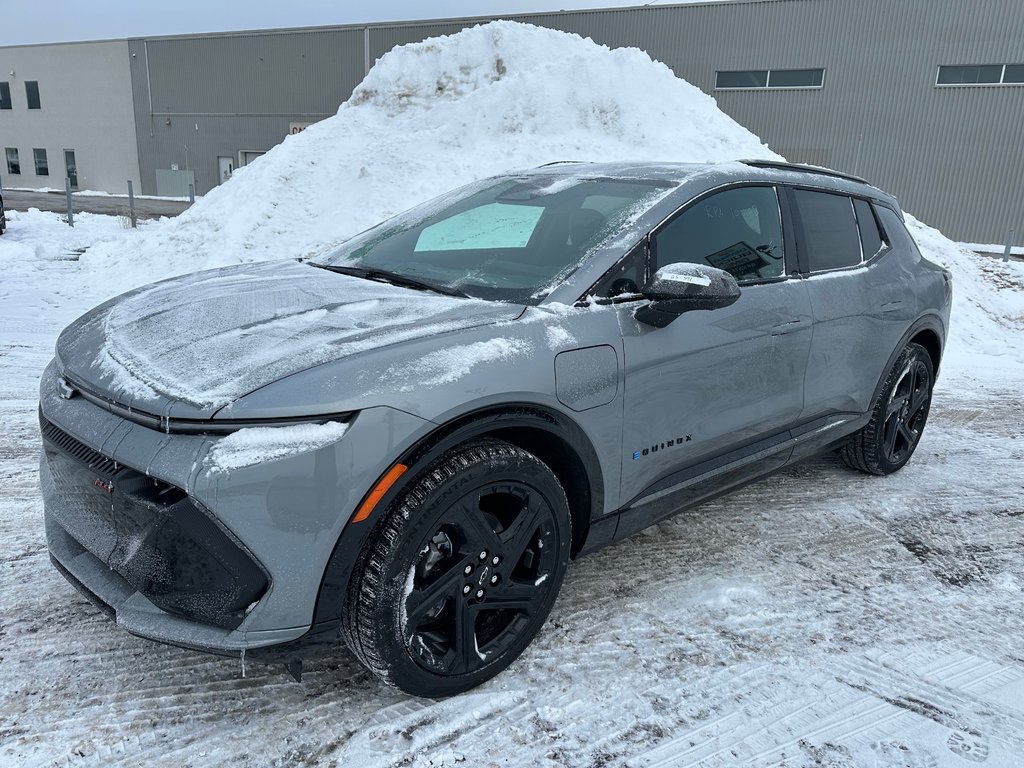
(131,204)
(67,191)
(1009,245)
(191,194)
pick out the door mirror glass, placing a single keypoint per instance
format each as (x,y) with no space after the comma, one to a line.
(682,287)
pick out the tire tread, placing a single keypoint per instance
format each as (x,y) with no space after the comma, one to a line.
(369,577)
(861,451)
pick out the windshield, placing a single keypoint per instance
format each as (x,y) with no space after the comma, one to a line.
(511,239)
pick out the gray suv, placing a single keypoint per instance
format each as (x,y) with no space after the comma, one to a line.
(403,443)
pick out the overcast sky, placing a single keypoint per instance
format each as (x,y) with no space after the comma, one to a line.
(46,21)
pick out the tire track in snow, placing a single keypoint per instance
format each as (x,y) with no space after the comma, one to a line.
(727,622)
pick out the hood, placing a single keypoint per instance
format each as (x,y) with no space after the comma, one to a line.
(195,343)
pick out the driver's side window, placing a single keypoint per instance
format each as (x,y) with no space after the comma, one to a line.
(738,230)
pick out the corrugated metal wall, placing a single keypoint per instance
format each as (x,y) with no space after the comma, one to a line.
(954,156)
(198,98)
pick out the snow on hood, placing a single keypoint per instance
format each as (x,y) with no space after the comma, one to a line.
(208,338)
(429,117)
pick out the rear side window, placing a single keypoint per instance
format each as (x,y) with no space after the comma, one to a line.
(830,236)
(896,232)
(870,237)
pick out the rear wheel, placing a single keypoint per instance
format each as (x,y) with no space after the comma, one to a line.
(898,418)
(462,572)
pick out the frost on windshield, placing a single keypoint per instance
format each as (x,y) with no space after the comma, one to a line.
(512,238)
(256,445)
(207,339)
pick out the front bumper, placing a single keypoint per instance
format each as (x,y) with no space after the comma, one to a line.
(221,562)
(148,532)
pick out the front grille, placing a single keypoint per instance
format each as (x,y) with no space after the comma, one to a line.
(149,532)
(76,449)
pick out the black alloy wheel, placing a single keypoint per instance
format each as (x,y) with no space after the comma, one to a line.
(463,572)
(898,417)
(906,411)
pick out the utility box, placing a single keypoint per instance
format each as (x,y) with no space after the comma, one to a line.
(174,183)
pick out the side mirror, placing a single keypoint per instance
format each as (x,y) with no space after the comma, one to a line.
(679,288)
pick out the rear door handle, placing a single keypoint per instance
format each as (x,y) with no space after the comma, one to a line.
(789,326)
(892,306)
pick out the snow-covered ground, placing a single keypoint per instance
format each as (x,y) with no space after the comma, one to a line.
(817,618)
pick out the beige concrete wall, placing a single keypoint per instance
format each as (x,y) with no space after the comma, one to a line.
(85,95)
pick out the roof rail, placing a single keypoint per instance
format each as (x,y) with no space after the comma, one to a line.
(805,168)
(558,162)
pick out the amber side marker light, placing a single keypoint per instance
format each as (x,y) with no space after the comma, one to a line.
(378,492)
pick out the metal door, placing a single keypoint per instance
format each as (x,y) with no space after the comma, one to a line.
(225,167)
(723,381)
(712,382)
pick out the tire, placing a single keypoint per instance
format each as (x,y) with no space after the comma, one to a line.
(898,418)
(461,572)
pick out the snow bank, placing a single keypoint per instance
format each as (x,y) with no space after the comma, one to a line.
(428,117)
(987,321)
(433,115)
(257,445)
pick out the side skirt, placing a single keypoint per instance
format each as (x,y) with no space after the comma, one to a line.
(711,478)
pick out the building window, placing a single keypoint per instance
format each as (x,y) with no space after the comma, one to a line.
(32,93)
(13,163)
(42,168)
(5,95)
(770,78)
(755,78)
(981,74)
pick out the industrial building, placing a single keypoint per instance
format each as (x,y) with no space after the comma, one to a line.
(923,99)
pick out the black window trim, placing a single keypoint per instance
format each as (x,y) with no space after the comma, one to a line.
(1000,84)
(768,80)
(864,258)
(794,266)
(864,262)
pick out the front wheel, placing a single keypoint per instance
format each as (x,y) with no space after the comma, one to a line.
(462,572)
(898,418)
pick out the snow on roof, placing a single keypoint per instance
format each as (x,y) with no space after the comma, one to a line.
(430,116)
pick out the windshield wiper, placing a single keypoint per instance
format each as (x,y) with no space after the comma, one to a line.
(394,278)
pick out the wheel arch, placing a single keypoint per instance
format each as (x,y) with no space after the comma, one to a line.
(930,339)
(550,435)
(927,331)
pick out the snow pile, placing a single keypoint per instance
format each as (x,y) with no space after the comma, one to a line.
(428,117)
(257,445)
(988,311)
